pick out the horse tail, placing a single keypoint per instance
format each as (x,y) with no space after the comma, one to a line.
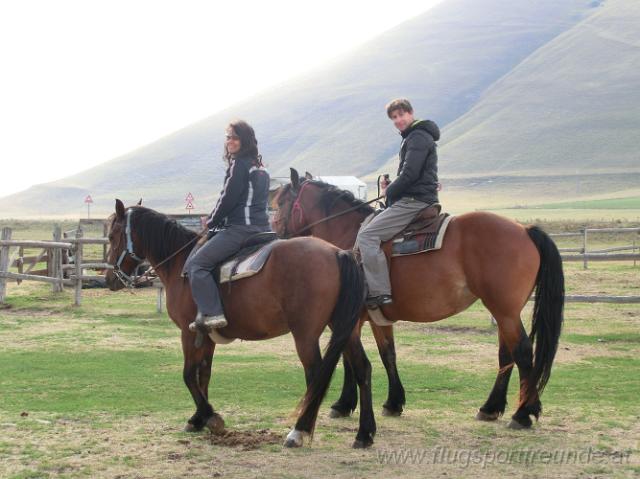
(344,318)
(548,307)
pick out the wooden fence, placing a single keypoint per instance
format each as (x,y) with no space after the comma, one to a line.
(584,254)
(58,273)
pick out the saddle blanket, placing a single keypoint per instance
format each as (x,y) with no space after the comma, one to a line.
(246,265)
(425,233)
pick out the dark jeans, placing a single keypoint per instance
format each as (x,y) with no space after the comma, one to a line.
(202,261)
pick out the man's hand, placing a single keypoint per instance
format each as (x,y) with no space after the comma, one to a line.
(384,182)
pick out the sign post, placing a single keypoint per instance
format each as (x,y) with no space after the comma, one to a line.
(88,200)
(189,201)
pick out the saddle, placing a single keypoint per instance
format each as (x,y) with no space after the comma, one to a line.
(425,233)
(249,260)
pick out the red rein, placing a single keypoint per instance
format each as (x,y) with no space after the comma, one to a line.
(297,209)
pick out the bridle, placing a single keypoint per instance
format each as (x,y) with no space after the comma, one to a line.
(133,279)
(297,208)
(129,280)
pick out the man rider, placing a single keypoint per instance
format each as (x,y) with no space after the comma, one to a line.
(415,188)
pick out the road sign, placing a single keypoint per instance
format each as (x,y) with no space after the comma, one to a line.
(88,200)
(189,200)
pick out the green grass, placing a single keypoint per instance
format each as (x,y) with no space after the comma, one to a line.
(102,388)
(603,204)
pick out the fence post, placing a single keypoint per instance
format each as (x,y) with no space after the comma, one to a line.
(49,253)
(4,263)
(56,262)
(105,232)
(584,249)
(634,250)
(20,262)
(78,261)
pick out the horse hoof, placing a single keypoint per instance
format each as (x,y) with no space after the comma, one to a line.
(336,413)
(191,428)
(484,416)
(291,443)
(295,438)
(362,444)
(513,424)
(391,412)
(216,424)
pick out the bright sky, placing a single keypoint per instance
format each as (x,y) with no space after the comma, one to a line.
(85,81)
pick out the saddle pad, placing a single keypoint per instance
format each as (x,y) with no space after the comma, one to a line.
(245,266)
(421,241)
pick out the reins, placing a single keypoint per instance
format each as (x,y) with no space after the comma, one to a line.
(298,206)
(132,280)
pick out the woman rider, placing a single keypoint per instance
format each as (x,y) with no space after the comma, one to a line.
(240,212)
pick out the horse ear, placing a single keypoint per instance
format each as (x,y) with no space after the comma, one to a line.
(140,202)
(295,178)
(119,208)
(308,175)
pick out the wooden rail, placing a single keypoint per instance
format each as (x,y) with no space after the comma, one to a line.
(52,253)
(585,255)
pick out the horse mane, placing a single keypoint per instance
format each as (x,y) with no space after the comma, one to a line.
(330,195)
(159,235)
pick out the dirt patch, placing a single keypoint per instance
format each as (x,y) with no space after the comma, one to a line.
(458,329)
(244,440)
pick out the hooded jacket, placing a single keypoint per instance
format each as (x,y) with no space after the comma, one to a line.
(244,196)
(418,169)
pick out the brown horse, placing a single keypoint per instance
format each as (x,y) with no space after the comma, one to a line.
(305,285)
(484,256)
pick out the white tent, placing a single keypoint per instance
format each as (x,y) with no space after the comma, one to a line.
(350,183)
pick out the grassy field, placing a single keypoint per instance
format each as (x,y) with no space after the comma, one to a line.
(97,391)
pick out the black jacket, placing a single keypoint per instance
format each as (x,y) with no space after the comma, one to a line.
(244,196)
(418,170)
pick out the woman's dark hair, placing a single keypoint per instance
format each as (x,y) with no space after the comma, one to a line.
(248,142)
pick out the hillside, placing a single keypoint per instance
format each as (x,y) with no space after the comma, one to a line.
(331,120)
(567,115)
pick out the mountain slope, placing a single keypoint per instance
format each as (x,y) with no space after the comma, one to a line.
(571,107)
(332,120)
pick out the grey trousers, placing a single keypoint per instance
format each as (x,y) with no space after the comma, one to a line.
(383,227)
(202,261)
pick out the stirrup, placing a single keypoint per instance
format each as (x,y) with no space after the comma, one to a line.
(207,323)
(204,324)
(374,302)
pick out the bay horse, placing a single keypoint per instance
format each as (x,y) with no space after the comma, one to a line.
(484,256)
(305,285)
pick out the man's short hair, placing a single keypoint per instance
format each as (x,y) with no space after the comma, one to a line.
(399,104)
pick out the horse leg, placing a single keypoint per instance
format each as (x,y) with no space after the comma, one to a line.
(386,347)
(197,365)
(204,371)
(309,353)
(495,405)
(521,349)
(348,399)
(362,370)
